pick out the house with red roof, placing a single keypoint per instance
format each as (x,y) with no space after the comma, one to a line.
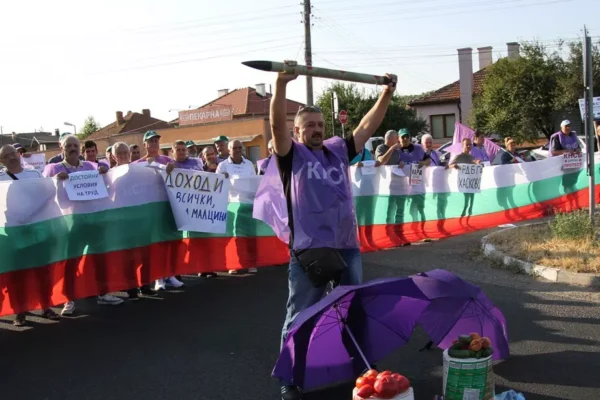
(238,114)
(453,103)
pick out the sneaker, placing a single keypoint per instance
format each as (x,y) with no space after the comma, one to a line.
(68,308)
(290,393)
(20,319)
(160,285)
(233,272)
(109,300)
(172,281)
(147,292)
(252,270)
(207,274)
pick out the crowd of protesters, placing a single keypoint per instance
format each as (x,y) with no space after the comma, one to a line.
(77,157)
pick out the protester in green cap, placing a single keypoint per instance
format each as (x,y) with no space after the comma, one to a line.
(221,143)
(192,150)
(152,146)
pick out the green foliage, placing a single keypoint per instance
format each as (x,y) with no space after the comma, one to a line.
(357,102)
(521,97)
(574,225)
(89,126)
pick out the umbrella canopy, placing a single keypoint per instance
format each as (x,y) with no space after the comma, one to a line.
(460,308)
(353,325)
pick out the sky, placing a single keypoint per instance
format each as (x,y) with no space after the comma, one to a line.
(65,60)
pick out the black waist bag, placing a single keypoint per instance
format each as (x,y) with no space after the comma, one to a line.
(321,265)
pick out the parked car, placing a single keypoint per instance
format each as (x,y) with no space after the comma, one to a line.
(543,152)
(524,155)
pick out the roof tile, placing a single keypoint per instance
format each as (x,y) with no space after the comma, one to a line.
(451,92)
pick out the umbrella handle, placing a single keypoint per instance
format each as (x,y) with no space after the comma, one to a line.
(362,355)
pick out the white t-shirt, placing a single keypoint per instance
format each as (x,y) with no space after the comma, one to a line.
(25,174)
(245,168)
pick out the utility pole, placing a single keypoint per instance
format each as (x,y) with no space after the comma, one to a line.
(308,51)
(588,95)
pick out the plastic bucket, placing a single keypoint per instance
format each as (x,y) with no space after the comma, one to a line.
(468,378)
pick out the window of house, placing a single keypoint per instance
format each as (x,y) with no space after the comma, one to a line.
(442,126)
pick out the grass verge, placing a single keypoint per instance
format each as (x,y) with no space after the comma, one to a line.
(565,243)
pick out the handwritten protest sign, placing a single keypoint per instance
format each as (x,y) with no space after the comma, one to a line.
(198,200)
(368,167)
(85,185)
(35,161)
(469,178)
(416,175)
(572,160)
(396,170)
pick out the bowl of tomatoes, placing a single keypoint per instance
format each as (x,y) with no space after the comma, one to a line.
(382,385)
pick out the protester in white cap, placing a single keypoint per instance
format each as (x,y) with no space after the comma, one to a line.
(564,141)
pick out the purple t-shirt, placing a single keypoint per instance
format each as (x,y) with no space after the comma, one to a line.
(160,159)
(191,163)
(480,153)
(54,169)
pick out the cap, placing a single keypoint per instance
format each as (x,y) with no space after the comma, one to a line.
(149,135)
(403,132)
(189,143)
(565,123)
(221,139)
(108,149)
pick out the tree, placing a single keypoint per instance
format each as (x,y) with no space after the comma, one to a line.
(357,102)
(521,98)
(89,126)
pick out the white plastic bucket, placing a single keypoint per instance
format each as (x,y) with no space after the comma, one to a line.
(468,378)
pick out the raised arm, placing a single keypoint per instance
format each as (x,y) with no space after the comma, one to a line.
(370,122)
(282,141)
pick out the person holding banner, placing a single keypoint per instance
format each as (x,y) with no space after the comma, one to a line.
(427,144)
(465,158)
(210,159)
(510,155)
(478,151)
(564,141)
(72,163)
(182,160)
(152,145)
(411,153)
(236,164)
(59,157)
(11,159)
(321,220)
(91,153)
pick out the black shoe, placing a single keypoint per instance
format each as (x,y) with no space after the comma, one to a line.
(133,294)
(208,274)
(147,292)
(20,320)
(290,393)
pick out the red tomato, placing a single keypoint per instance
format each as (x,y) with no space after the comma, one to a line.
(403,384)
(384,373)
(371,373)
(365,380)
(396,376)
(386,387)
(365,391)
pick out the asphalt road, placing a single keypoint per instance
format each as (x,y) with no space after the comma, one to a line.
(218,339)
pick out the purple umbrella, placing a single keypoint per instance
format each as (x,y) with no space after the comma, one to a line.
(348,330)
(459,308)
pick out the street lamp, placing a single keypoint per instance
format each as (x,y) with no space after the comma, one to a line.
(73,125)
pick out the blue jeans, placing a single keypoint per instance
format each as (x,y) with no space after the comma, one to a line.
(302,293)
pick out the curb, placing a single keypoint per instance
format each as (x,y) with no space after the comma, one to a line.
(548,273)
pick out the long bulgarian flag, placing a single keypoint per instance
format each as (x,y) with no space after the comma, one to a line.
(52,248)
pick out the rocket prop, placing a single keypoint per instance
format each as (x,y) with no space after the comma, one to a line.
(317,72)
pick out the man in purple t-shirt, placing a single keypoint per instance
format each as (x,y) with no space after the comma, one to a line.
(182,160)
(71,163)
(564,141)
(152,145)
